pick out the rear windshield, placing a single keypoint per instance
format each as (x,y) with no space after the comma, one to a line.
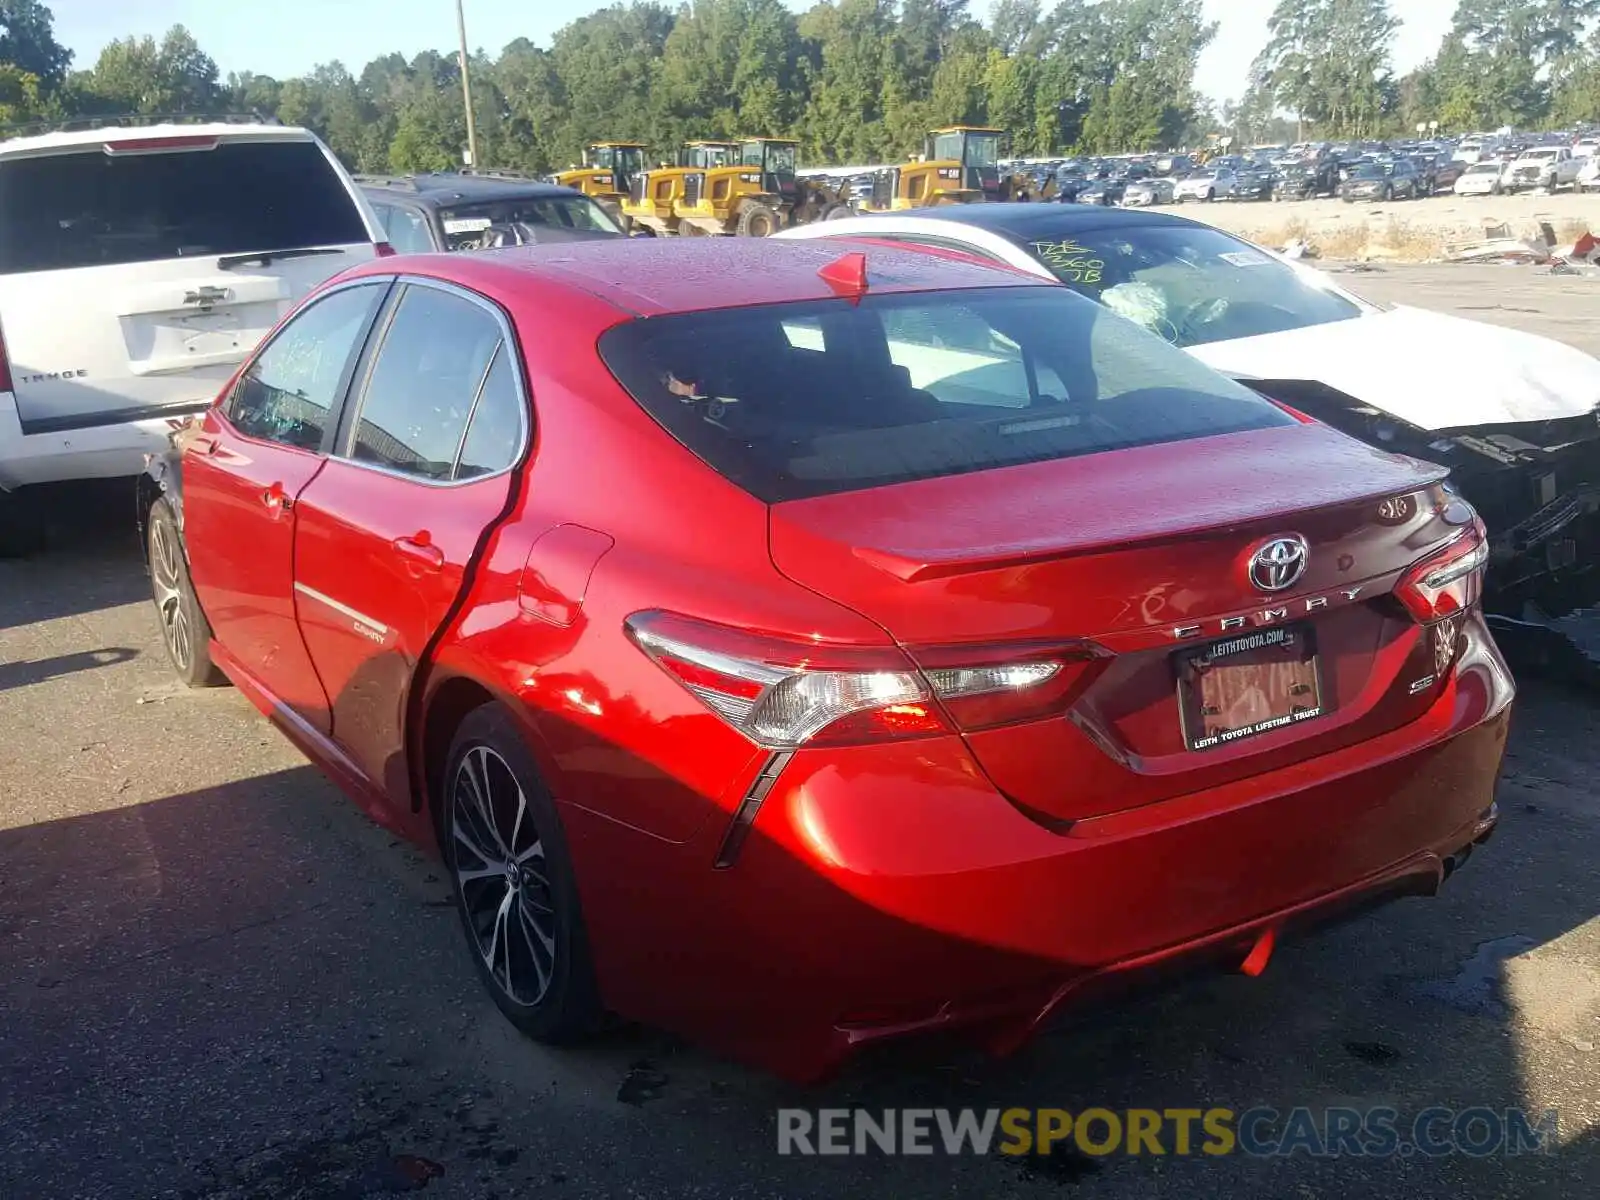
(92,209)
(798,400)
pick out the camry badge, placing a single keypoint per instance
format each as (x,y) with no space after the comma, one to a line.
(1280,563)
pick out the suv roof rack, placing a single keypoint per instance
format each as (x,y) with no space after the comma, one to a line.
(133,120)
(493,173)
(410,183)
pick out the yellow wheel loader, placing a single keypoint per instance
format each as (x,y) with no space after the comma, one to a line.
(959,165)
(654,196)
(755,194)
(606,174)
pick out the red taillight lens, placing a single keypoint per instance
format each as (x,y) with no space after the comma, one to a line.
(160,145)
(385,250)
(1449,581)
(783,693)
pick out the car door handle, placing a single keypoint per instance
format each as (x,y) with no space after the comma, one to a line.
(420,551)
(204,443)
(275,498)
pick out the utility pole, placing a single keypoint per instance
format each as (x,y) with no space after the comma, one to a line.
(466,88)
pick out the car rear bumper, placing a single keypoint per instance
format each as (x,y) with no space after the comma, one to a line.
(889,890)
(96,452)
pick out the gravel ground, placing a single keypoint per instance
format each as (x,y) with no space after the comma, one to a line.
(1564,307)
(221,982)
(1404,231)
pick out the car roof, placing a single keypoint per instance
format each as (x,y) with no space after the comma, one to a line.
(69,139)
(443,188)
(657,276)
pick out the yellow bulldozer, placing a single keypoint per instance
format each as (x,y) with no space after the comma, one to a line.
(607,171)
(960,164)
(753,194)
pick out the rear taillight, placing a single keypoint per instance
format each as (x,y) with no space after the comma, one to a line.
(983,687)
(784,693)
(385,250)
(1449,581)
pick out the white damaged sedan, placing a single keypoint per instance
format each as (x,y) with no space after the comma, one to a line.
(1516,417)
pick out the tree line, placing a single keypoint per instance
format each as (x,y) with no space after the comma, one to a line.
(856,80)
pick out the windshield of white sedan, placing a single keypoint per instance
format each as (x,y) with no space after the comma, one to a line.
(1191,285)
(796,400)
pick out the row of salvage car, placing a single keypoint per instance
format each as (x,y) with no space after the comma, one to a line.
(918,623)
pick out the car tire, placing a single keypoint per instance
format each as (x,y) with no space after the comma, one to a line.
(839,212)
(1207,197)
(758,220)
(185,632)
(512,874)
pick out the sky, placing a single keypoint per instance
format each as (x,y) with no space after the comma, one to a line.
(303,33)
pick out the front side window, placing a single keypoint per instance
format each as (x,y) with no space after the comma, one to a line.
(423,383)
(287,393)
(796,400)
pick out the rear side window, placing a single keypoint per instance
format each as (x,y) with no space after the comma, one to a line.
(406,229)
(494,438)
(434,363)
(791,401)
(94,209)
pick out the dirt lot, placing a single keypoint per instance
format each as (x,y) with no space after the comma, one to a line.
(220,982)
(1406,231)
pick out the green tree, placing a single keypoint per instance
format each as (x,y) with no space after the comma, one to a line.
(844,121)
(141,75)
(1143,95)
(1328,63)
(21,99)
(609,63)
(28,43)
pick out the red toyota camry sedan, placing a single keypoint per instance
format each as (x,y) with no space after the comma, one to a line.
(795,650)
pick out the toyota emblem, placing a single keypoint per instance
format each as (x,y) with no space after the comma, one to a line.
(1280,563)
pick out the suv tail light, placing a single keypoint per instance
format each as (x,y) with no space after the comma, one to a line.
(784,693)
(1448,581)
(385,250)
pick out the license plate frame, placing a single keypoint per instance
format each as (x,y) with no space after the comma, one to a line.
(1200,678)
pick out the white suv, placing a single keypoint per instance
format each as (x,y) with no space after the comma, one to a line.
(138,268)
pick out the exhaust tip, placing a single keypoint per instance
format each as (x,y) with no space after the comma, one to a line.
(1454,862)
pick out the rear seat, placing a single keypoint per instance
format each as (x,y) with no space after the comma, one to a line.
(805,392)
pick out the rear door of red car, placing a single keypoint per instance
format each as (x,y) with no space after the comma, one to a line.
(387,532)
(243,476)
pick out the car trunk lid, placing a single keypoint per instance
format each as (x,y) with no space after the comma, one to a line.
(1139,556)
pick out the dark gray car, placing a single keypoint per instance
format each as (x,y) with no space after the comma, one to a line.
(422,214)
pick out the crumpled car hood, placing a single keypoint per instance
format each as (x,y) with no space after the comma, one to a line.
(1433,370)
